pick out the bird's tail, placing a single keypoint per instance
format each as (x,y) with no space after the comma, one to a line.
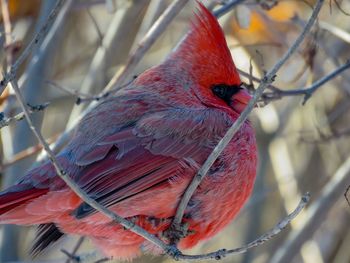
(15,199)
(18,195)
(12,210)
(28,202)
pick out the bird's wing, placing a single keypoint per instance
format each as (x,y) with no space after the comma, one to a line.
(146,153)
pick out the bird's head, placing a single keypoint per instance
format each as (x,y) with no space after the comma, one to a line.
(203,56)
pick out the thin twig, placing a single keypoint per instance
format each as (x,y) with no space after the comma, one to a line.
(20,116)
(341,8)
(346,194)
(227,7)
(146,42)
(8,32)
(25,153)
(336,31)
(325,138)
(102,260)
(217,255)
(255,79)
(306,92)
(84,97)
(70,257)
(268,79)
(81,96)
(315,215)
(95,24)
(4,122)
(73,92)
(34,42)
(75,249)
(221,253)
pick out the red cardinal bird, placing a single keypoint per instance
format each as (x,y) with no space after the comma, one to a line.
(137,151)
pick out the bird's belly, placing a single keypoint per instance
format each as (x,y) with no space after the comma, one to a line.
(216,207)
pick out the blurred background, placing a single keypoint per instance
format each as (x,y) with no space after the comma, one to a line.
(302,146)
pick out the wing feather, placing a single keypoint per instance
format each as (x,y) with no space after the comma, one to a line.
(154,149)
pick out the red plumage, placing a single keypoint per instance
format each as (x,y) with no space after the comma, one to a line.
(137,151)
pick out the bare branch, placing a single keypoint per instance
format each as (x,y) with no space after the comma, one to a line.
(268,79)
(76,248)
(147,41)
(253,78)
(217,255)
(20,116)
(327,137)
(84,97)
(227,7)
(341,8)
(25,153)
(34,42)
(95,24)
(306,92)
(316,213)
(220,254)
(8,32)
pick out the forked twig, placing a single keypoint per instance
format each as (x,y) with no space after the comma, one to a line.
(306,92)
(20,116)
(217,255)
(147,41)
(34,42)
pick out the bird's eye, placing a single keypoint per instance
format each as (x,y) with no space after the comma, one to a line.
(225,92)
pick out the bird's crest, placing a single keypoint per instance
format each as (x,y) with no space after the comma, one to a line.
(204,51)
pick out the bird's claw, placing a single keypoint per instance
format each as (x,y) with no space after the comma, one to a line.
(176,232)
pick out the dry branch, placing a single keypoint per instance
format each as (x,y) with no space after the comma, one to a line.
(316,214)
(217,255)
(306,92)
(20,116)
(147,41)
(25,153)
(227,7)
(11,75)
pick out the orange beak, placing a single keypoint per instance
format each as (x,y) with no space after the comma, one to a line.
(240,100)
(243,96)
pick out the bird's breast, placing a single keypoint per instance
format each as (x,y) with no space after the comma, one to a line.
(224,190)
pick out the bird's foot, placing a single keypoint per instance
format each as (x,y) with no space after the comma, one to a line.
(176,232)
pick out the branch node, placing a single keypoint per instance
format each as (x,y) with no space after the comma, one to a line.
(72,257)
(307,96)
(174,252)
(220,254)
(306,197)
(346,194)
(39,107)
(78,101)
